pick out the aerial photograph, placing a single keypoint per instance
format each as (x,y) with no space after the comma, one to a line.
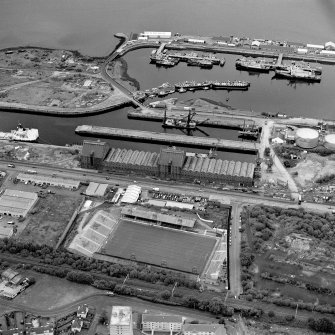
(167,167)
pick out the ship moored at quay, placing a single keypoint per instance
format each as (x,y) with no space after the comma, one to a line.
(167,88)
(21,134)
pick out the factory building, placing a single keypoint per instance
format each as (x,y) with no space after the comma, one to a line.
(172,163)
(93,154)
(121,322)
(204,329)
(49,181)
(17,203)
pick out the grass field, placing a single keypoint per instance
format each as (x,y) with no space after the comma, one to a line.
(51,218)
(162,247)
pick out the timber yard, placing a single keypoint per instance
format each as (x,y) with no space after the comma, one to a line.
(197,220)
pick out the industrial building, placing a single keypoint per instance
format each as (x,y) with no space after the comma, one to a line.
(156,34)
(157,218)
(172,163)
(132,194)
(93,154)
(48,180)
(204,329)
(17,203)
(121,321)
(161,323)
(96,189)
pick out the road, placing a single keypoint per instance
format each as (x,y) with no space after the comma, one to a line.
(234,251)
(148,182)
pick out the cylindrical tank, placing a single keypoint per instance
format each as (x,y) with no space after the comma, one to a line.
(307,138)
(330,141)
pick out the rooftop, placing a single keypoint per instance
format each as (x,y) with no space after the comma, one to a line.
(161,318)
(121,316)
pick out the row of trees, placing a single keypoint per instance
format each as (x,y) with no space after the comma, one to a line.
(65,260)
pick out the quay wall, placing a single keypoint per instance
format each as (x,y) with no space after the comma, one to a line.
(155,137)
(45,110)
(230,50)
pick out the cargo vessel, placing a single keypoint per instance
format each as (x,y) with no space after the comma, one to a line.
(252,65)
(230,85)
(21,134)
(297,73)
(192,85)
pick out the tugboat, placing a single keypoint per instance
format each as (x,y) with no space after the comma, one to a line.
(252,65)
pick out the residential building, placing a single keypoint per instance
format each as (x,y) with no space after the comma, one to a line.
(82,311)
(204,329)
(76,325)
(121,322)
(161,323)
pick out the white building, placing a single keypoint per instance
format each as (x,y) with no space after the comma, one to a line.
(121,322)
(204,329)
(157,34)
(330,45)
(161,323)
(315,46)
(82,311)
(196,41)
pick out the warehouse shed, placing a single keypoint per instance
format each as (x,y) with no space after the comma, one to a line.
(17,203)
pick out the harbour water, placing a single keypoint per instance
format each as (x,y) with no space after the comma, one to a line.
(88,26)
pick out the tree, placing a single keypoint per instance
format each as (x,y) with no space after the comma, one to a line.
(271,314)
(103,318)
(321,325)
(215,305)
(166,295)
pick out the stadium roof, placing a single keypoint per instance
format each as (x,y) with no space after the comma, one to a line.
(132,194)
(158,217)
(162,318)
(96,148)
(96,189)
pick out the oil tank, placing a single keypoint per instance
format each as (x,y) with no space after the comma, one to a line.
(307,138)
(330,141)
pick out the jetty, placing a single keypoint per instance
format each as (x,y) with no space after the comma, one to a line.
(202,115)
(166,138)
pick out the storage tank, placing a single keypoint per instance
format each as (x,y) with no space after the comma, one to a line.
(307,138)
(330,141)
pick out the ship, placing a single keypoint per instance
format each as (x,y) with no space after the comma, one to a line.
(166,62)
(21,134)
(192,85)
(231,85)
(252,65)
(179,124)
(249,132)
(297,73)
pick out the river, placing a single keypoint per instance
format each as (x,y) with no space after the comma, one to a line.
(88,26)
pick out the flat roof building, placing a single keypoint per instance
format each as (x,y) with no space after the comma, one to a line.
(161,323)
(96,189)
(17,203)
(204,329)
(121,322)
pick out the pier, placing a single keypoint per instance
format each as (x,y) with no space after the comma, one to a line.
(202,116)
(168,139)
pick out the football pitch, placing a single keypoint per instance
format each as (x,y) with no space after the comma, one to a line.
(153,245)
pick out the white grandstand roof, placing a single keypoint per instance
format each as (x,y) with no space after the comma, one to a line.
(132,194)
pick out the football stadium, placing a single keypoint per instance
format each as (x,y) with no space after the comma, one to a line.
(163,247)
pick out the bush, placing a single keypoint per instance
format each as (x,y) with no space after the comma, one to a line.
(271,314)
